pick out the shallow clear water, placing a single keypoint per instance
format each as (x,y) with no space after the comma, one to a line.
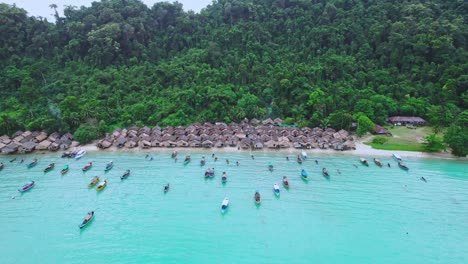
(363,215)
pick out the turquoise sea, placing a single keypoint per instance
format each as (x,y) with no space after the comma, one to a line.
(363,215)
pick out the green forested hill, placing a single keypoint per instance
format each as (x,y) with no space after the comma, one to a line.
(119,63)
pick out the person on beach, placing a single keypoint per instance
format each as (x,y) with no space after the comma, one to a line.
(287,158)
(227,161)
(388,164)
(146,156)
(237,163)
(212,155)
(216,159)
(316,162)
(252,156)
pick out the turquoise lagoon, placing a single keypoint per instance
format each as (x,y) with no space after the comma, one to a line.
(363,215)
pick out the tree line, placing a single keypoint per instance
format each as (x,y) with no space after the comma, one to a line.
(311,62)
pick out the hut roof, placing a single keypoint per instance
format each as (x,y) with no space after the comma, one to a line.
(380,130)
(278,121)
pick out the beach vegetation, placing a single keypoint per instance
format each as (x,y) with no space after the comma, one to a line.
(456,135)
(86,133)
(433,143)
(319,64)
(379,140)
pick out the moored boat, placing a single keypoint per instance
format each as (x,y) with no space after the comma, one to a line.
(202,161)
(209,172)
(93,181)
(224,177)
(80,153)
(50,167)
(304,174)
(378,162)
(87,219)
(276,189)
(285,182)
(125,175)
(87,166)
(174,154)
(26,186)
(166,188)
(299,159)
(403,166)
(109,166)
(101,186)
(325,173)
(257,197)
(68,154)
(64,169)
(224,204)
(304,154)
(364,161)
(187,159)
(396,157)
(32,163)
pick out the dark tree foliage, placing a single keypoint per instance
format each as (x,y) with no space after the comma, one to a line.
(314,62)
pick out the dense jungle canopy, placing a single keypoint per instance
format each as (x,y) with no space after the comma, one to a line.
(311,62)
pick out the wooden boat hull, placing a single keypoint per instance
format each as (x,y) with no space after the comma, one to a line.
(93,182)
(86,222)
(27,187)
(101,186)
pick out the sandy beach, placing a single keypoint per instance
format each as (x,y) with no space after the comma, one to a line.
(361,150)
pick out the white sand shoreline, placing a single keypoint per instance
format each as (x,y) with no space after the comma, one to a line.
(362,150)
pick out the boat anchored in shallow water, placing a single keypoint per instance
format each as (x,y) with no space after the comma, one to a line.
(403,166)
(50,167)
(304,174)
(93,181)
(257,198)
(87,219)
(80,153)
(378,162)
(364,162)
(285,182)
(325,173)
(64,169)
(304,154)
(27,186)
(101,186)
(224,205)
(125,175)
(87,166)
(109,166)
(276,189)
(224,177)
(32,164)
(396,157)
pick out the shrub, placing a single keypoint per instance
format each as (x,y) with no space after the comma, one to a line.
(379,140)
(86,133)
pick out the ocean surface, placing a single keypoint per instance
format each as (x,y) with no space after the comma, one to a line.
(360,215)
